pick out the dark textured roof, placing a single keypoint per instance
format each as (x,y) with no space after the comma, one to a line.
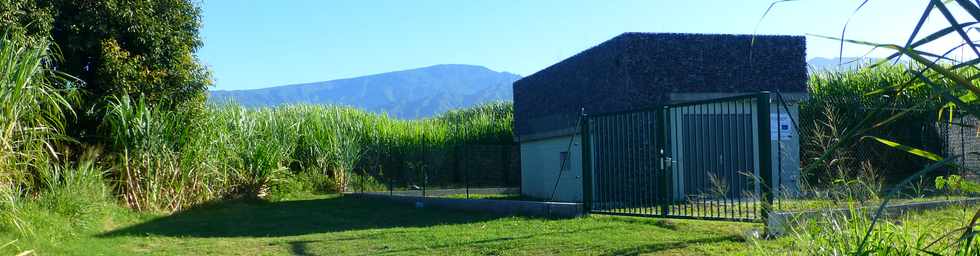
(636,70)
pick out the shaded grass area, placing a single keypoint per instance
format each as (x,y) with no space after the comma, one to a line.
(332,225)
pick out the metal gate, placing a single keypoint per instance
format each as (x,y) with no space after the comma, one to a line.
(696,160)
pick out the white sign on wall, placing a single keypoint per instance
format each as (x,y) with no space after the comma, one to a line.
(780,126)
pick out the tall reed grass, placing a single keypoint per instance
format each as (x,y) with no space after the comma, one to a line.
(839,105)
(166,160)
(35,104)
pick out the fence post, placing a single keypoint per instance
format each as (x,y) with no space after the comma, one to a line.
(586,163)
(391,179)
(765,152)
(504,175)
(661,124)
(422,165)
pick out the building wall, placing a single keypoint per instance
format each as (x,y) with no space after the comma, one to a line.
(540,165)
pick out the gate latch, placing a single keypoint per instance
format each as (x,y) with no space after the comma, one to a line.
(665,161)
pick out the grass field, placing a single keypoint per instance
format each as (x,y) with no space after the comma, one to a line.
(335,225)
(331,225)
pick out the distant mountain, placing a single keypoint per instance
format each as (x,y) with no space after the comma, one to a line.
(408,94)
(846,63)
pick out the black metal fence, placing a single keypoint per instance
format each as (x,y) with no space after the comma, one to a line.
(693,160)
(456,171)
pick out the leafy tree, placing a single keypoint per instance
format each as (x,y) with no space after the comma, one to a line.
(24,19)
(131,47)
(140,48)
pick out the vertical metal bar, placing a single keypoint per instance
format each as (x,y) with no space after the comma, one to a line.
(620,190)
(695,149)
(778,188)
(716,153)
(633,161)
(643,156)
(709,159)
(963,154)
(425,176)
(627,155)
(612,152)
(677,177)
(732,154)
(713,153)
(765,153)
(684,179)
(648,155)
(748,143)
(586,163)
(660,129)
(748,158)
(628,161)
(687,120)
(623,162)
(638,139)
(740,152)
(601,159)
(700,160)
(607,178)
(724,157)
(651,164)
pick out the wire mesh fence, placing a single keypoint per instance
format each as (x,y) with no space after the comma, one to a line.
(847,170)
(961,139)
(459,171)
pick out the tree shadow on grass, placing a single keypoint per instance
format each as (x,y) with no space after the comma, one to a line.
(289,218)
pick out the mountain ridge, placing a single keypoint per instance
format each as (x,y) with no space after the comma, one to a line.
(410,93)
(421,92)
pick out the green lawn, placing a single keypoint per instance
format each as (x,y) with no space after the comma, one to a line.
(331,225)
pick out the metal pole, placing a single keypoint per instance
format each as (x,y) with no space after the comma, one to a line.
(661,122)
(425,176)
(765,152)
(779,151)
(586,163)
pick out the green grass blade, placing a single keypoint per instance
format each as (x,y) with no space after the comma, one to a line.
(911,150)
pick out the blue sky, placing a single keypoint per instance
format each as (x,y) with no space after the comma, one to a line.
(254,44)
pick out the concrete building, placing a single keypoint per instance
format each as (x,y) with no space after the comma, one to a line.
(646,70)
